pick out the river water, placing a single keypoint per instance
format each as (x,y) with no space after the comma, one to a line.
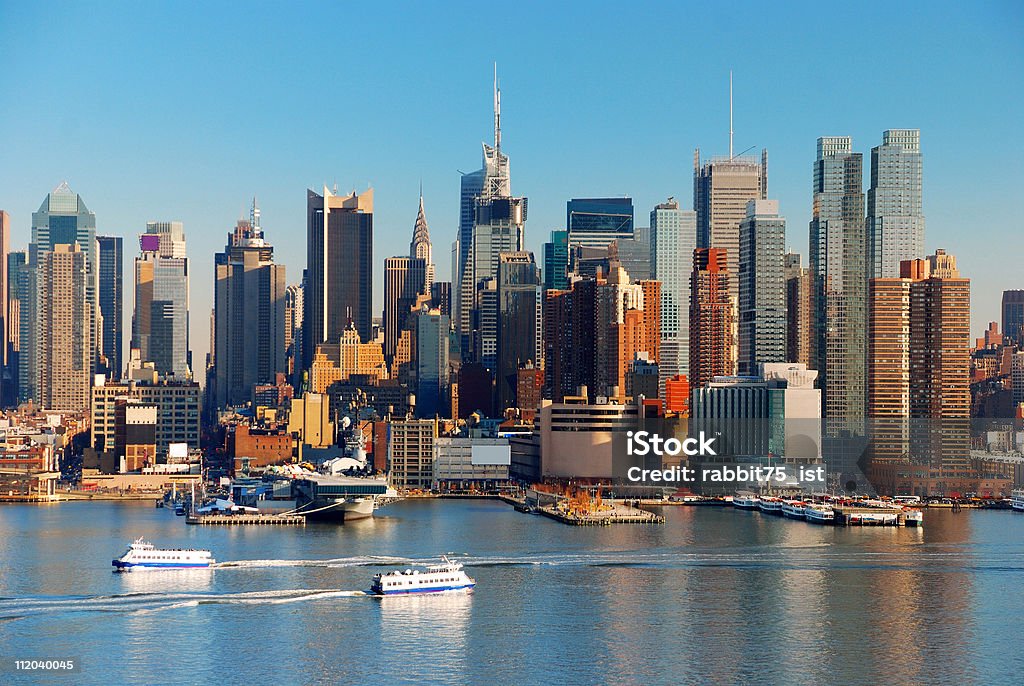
(714,595)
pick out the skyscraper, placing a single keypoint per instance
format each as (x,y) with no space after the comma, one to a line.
(919,370)
(518,336)
(5,249)
(1013,315)
(712,318)
(722,186)
(762,303)
(596,222)
(556,260)
(63,219)
(249,314)
(405,280)
(432,337)
(111,301)
(160,320)
(63,343)
(799,316)
(339,268)
(19,308)
(838,252)
(673,240)
(895,219)
(293,312)
(497,222)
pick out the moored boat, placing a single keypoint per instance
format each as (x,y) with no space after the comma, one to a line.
(1017,500)
(745,500)
(794,509)
(142,555)
(819,513)
(446,576)
(770,505)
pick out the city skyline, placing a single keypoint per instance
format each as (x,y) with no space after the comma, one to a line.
(198,161)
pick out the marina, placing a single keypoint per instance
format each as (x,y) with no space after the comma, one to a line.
(832,510)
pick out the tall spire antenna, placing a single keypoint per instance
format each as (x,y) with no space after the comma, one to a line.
(730,114)
(497,111)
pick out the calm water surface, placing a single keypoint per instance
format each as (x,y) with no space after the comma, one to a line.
(715,595)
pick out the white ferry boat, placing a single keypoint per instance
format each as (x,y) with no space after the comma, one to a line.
(794,509)
(1017,500)
(770,505)
(745,501)
(447,576)
(819,513)
(142,555)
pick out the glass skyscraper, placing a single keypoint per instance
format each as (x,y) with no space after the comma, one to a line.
(160,320)
(838,252)
(895,218)
(111,297)
(556,260)
(596,222)
(762,303)
(673,240)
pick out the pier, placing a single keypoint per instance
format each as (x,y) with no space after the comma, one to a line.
(618,513)
(259,519)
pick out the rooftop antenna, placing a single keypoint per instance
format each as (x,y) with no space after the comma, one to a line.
(497,112)
(730,114)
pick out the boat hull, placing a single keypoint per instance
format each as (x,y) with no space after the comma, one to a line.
(424,591)
(341,510)
(120,566)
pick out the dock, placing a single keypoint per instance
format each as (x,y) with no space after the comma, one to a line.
(249,519)
(617,514)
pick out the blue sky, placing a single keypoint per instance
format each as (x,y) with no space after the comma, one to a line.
(184,112)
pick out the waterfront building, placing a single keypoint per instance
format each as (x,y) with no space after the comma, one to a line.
(477,465)
(160,320)
(1012,307)
(411,453)
(309,420)
(518,334)
(556,260)
(249,315)
(838,251)
(799,315)
(722,187)
(257,447)
(919,374)
(177,402)
(672,242)
(596,222)
(772,417)
(712,317)
(111,301)
(888,369)
(339,268)
(762,299)
(576,436)
(63,337)
(895,219)
(134,434)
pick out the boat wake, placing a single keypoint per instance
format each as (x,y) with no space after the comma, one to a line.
(362,561)
(148,603)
